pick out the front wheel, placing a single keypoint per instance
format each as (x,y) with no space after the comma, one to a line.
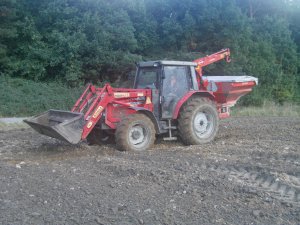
(135,133)
(198,122)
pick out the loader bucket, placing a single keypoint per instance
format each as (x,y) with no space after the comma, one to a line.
(62,125)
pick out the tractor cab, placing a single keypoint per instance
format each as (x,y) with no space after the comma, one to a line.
(169,82)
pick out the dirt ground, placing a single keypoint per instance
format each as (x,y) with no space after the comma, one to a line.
(249,175)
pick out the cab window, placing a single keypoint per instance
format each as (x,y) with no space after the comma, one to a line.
(175,85)
(147,78)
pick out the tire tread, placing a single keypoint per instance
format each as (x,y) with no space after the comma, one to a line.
(124,126)
(185,132)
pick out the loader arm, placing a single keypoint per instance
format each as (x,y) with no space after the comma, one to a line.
(94,101)
(84,99)
(75,125)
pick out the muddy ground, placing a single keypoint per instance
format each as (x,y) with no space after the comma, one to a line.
(249,175)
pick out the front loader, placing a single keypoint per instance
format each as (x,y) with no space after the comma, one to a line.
(169,98)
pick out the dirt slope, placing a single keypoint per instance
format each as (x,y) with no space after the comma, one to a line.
(249,175)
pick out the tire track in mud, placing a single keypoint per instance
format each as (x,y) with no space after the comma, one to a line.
(283,187)
(278,184)
(290,159)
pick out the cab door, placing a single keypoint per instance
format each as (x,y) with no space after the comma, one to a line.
(148,77)
(176,82)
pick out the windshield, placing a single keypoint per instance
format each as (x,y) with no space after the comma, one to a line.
(147,78)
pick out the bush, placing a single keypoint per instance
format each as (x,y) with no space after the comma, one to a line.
(20,97)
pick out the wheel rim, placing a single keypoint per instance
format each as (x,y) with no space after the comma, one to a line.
(203,124)
(138,136)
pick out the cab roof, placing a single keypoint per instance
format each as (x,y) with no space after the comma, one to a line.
(165,62)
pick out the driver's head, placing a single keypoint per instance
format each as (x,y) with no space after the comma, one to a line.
(173,80)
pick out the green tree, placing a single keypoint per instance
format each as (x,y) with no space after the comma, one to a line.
(8,31)
(75,41)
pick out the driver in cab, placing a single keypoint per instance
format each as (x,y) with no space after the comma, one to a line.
(171,93)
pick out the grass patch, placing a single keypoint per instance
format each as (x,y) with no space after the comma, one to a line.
(20,97)
(12,126)
(268,109)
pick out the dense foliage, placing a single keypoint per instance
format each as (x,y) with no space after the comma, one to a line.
(20,97)
(78,41)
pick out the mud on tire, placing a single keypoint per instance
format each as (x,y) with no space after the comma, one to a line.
(198,121)
(135,133)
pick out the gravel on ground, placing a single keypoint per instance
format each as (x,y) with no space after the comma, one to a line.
(250,174)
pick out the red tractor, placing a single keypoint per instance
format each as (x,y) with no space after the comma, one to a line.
(170,98)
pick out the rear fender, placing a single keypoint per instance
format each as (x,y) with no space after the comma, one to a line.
(150,115)
(189,95)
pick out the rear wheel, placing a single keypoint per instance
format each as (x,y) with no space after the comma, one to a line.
(198,122)
(135,133)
